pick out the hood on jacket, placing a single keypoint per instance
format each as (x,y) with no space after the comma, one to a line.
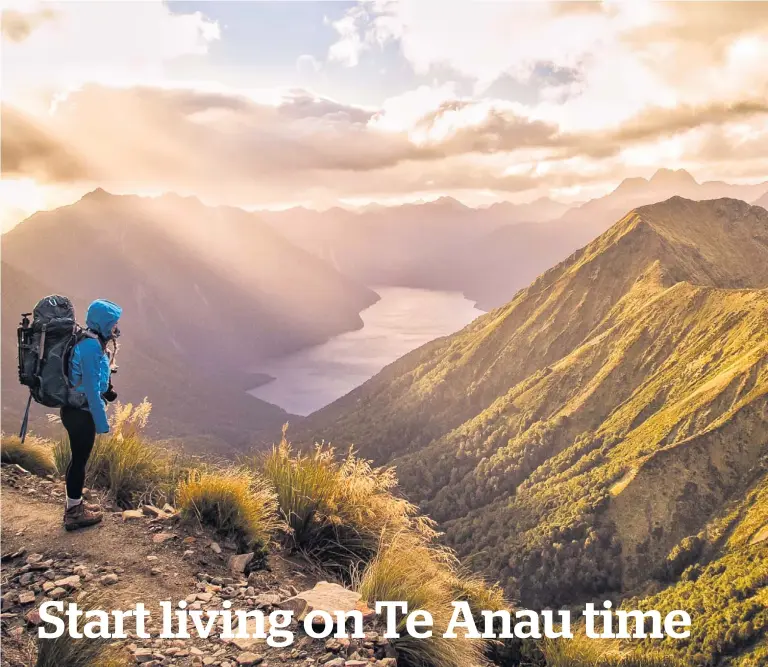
(102,316)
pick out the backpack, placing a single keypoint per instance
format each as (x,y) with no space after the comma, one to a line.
(45,349)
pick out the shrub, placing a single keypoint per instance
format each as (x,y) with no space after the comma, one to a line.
(123,461)
(239,504)
(409,569)
(338,511)
(34,455)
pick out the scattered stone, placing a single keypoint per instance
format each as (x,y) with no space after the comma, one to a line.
(247,659)
(154,512)
(109,579)
(387,662)
(143,655)
(9,600)
(324,596)
(239,563)
(189,540)
(132,515)
(34,558)
(16,633)
(69,583)
(162,537)
(27,597)
(266,600)
(169,509)
(215,548)
(32,617)
(57,594)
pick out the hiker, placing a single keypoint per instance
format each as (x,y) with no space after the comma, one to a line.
(89,375)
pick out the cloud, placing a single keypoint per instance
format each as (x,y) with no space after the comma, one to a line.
(121,43)
(232,148)
(28,150)
(16,26)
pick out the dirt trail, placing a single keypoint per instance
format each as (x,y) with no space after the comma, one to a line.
(144,560)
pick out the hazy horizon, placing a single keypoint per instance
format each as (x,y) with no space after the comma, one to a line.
(277,104)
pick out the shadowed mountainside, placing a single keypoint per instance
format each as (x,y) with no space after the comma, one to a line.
(206,292)
(210,413)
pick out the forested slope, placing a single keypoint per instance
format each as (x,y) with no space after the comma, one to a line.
(569,440)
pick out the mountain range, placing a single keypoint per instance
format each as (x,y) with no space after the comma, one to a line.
(569,441)
(487,253)
(206,291)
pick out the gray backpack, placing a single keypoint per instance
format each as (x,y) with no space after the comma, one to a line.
(45,347)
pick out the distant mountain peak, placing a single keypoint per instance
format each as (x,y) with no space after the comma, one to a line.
(672,177)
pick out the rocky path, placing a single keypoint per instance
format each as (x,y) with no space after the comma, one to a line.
(148,556)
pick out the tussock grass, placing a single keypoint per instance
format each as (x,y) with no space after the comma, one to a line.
(582,651)
(338,510)
(34,455)
(409,569)
(237,503)
(84,652)
(123,461)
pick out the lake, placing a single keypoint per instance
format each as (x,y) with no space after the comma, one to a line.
(402,320)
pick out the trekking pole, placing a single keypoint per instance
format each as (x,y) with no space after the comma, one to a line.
(25,421)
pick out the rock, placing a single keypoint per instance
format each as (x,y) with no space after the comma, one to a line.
(69,583)
(169,509)
(27,597)
(143,655)
(247,659)
(387,662)
(204,597)
(239,563)
(356,663)
(34,558)
(57,594)
(26,579)
(132,515)
(324,596)
(48,586)
(32,617)
(189,540)
(336,662)
(250,630)
(266,600)
(9,600)
(215,548)
(16,633)
(109,579)
(42,565)
(154,512)
(162,537)
(155,571)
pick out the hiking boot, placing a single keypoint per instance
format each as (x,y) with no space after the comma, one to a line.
(81,516)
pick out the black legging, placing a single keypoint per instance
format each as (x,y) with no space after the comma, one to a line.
(82,435)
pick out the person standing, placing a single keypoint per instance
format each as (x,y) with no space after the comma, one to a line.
(89,375)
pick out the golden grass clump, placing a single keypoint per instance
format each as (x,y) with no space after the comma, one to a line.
(581,651)
(237,503)
(123,461)
(337,510)
(34,455)
(83,652)
(410,569)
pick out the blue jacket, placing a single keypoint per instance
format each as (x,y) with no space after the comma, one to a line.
(89,367)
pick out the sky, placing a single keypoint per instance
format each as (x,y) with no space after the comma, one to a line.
(275,104)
